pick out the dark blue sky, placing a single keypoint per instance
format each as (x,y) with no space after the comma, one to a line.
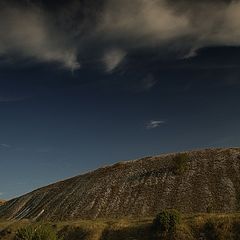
(61,116)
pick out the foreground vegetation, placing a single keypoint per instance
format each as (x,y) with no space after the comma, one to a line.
(167,225)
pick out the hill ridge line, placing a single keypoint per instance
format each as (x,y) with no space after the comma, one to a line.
(210,178)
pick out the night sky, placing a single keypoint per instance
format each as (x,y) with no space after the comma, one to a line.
(84,84)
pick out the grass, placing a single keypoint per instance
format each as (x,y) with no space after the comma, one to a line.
(192,226)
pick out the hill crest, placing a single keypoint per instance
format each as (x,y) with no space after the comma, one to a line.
(210,180)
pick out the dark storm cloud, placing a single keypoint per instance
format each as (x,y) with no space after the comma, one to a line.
(72,32)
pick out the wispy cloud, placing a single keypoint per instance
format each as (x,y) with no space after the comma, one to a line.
(148,83)
(112,58)
(154,124)
(9,99)
(3,145)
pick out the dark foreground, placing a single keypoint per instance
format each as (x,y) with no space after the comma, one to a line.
(199,226)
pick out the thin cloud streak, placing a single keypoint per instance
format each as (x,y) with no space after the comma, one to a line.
(3,145)
(148,82)
(154,124)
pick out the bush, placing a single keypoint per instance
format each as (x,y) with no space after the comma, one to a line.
(180,163)
(26,233)
(210,230)
(166,222)
(236,230)
(220,229)
(41,232)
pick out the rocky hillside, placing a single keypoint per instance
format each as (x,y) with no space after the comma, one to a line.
(196,181)
(2,202)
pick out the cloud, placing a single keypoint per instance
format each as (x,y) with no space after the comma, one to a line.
(178,26)
(8,99)
(141,22)
(148,82)
(1,193)
(143,85)
(113,58)
(154,124)
(191,53)
(3,145)
(78,30)
(27,32)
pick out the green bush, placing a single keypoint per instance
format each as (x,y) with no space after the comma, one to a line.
(41,232)
(180,163)
(165,223)
(26,233)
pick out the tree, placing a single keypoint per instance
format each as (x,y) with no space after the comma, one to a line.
(165,223)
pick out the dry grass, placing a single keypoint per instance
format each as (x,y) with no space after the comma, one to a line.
(196,226)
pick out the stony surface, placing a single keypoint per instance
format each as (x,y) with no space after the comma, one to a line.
(141,187)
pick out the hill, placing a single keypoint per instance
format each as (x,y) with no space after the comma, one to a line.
(2,202)
(192,182)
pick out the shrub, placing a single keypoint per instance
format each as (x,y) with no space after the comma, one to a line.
(41,232)
(26,233)
(180,163)
(219,229)
(236,230)
(45,232)
(165,223)
(210,230)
